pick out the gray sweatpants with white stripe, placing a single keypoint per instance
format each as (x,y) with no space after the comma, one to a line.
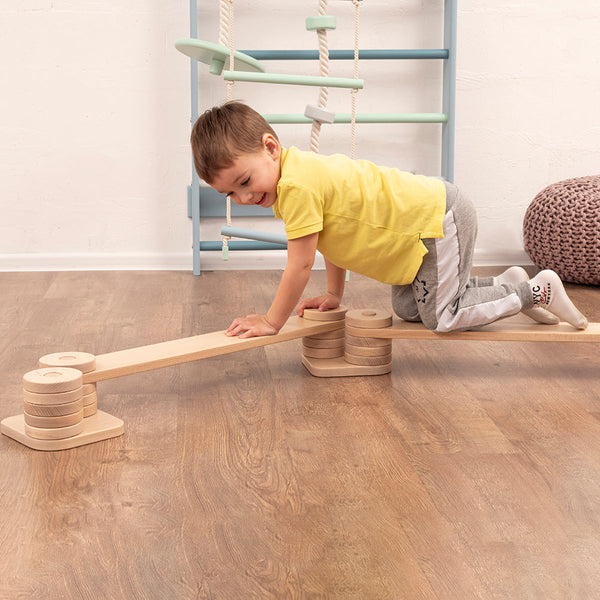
(443,295)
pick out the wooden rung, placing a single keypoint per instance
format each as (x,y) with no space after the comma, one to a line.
(501,331)
(286,79)
(165,354)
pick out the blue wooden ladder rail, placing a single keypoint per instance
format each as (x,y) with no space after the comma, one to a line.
(208,203)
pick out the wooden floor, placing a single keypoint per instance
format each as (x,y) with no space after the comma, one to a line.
(472,471)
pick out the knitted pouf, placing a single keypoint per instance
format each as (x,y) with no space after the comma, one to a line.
(561,229)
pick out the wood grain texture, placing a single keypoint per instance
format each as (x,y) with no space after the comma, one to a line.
(208,345)
(470,471)
(507,330)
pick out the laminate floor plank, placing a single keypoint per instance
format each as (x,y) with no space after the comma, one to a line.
(470,471)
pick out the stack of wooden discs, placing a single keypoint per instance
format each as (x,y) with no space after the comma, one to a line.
(52,402)
(365,350)
(324,345)
(84,362)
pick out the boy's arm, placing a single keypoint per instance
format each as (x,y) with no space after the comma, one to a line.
(301,256)
(336,279)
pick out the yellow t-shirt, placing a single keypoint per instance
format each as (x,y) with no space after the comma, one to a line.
(370,219)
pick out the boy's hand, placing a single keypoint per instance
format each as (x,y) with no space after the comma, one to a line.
(251,326)
(324,302)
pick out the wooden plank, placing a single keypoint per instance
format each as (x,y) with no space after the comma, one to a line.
(501,331)
(174,352)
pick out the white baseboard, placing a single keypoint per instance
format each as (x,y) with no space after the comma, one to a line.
(133,261)
(209,261)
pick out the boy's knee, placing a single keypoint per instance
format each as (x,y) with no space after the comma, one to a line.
(404,304)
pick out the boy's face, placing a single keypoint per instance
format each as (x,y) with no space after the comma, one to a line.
(253,178)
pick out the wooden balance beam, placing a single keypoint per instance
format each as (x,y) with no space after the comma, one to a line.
(366,328)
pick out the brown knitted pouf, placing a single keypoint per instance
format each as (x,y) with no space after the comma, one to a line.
(561,229)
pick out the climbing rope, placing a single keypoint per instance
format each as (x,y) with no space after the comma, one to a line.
(323,72)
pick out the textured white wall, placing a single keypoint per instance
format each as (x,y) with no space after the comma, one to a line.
(94,119)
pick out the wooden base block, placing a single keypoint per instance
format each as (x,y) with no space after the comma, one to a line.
(100,426)
(338,367)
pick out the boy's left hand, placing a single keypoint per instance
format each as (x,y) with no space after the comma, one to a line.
(251,326)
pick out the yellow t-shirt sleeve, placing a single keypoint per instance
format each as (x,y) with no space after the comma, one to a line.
(301,210)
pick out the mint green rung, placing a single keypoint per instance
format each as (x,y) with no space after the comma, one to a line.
(320,22)
(289,118)
(339,82)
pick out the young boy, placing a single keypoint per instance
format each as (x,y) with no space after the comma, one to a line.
(416,233)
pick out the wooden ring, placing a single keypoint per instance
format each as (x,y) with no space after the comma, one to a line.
(355,340)
(369,318)
(83,361)
(55,433)
(56,398)
(323,352)
(370,361)
(52,410)
(52,380)
(369,350)
(90,409)
(333,343)
(335,314)
(53,422)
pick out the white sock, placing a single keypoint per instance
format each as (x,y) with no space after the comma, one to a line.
(549,292)
(515,275)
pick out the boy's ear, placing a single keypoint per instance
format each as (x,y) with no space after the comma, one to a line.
(271,145)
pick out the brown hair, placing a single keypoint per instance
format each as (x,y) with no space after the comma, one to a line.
(222,133)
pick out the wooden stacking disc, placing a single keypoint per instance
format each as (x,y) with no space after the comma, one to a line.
(54,433)
(354,340)
(88,388)
(89,398)
(369,350)
(90,409)
(335,314)
(52,410)
(56,398)
(369,318)
(308,342)
(328,335)
(370,361)
(82,361)
(51,380)
(53,422)
(323,352)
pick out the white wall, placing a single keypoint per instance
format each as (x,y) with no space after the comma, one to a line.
(94,116)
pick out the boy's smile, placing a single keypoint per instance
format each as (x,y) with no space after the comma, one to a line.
(252,178)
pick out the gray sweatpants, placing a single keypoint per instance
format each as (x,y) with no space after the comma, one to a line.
(443,295)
